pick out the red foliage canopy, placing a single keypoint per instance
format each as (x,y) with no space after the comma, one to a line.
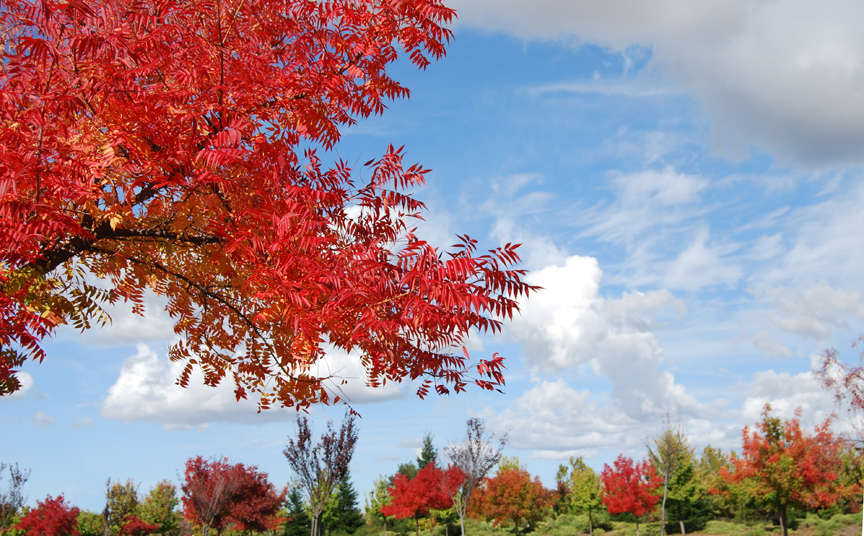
(630,487)
(51,517)
(171,145)
(784,466)
(511,496)
(217,494)
(431,488)
(135,526)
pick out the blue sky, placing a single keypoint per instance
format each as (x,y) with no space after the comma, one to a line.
(686,180)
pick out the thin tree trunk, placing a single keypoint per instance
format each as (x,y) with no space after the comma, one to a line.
(417,525)
(684,533)
(637,526)
(462,523)
(783,522)
(663,508)
(591,524)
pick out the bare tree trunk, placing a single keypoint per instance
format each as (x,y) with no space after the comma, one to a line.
(663,508)
(637,526)
(783,522)
(590,524)
(462,522)
(684,533)
(417,525)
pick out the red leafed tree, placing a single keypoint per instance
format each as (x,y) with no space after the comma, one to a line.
(511,496)
(786,467)
(182,148)
(51,517)
(218,495)
(431,488)
(135,526)
(629,487)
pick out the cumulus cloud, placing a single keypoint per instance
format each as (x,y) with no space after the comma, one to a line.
(146,391)
(569,324)
(555,421)
(787,392)
(783,75)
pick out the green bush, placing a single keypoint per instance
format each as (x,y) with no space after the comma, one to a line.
(569,524)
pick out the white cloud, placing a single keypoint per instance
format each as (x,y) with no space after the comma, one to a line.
(348,368)
(43,420)
(555,421)
(787,392)
(569,324)
(608,89)
(782,74)
(702,264)
(125,326)
(146,390)
(26,389)
(645,203)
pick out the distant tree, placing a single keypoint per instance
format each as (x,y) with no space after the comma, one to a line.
(511,496)
(296,519)
(475,457)
(51,517)
(722,500)
(11,499)
(320,466)
(257,504)
(431,488)
(687,501)
(160,508)
(135,526)
(342,514)
(850,477)
(785,467)
(847,382)
(91,524)
(629,487)
(667,455)
(408,469)
(121,502)
(378,497)
(209,489)
(428,454)
(582,491)
(217,494)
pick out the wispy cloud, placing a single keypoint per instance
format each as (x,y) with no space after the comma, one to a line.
(605,89)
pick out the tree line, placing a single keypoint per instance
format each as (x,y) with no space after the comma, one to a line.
(780,473)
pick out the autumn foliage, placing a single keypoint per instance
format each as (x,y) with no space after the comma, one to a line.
(218,495)
(511,496)
(135,526)
(181,148)
(630,487)
(432,488)
(785,467)
(51,517)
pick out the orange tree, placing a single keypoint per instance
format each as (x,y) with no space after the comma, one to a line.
(183,147)
(511,496)
(784,467)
